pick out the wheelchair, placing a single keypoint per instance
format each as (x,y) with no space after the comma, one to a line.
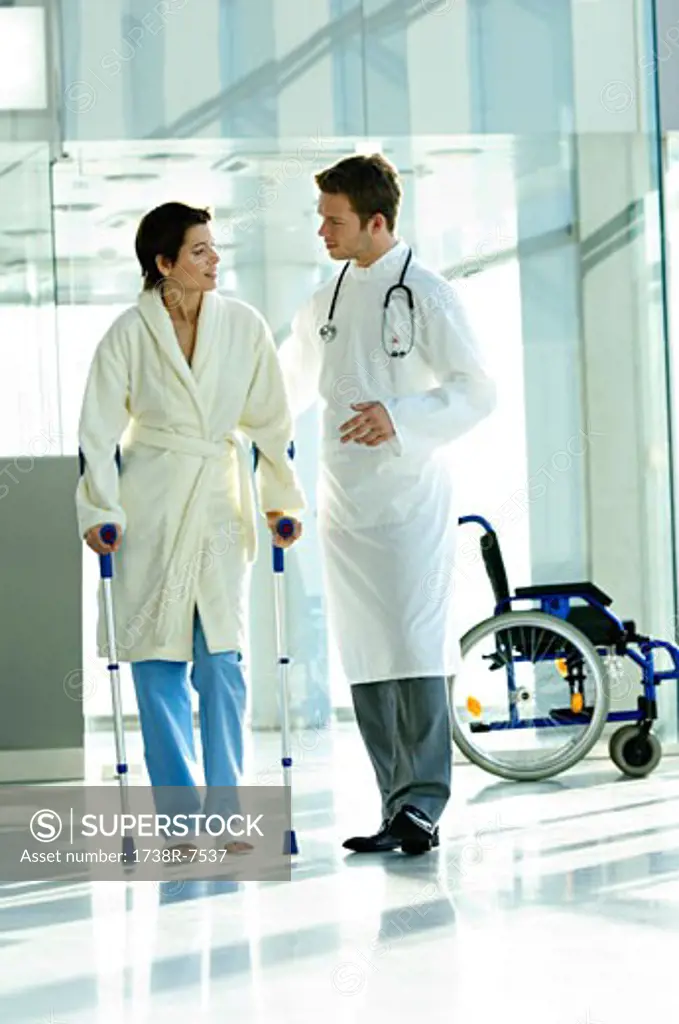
(533,692)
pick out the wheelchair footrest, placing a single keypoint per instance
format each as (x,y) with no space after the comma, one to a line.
(566,716)
(557,717)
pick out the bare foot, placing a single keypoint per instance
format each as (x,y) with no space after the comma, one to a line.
(186,850)
(237,847)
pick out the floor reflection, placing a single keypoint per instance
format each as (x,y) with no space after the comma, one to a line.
(526,875)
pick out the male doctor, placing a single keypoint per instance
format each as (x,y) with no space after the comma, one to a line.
(396,382)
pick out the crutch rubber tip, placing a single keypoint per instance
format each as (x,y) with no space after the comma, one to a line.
(290,843)
(128,850)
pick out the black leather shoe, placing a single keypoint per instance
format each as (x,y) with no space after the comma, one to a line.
(415,830)
(382,842)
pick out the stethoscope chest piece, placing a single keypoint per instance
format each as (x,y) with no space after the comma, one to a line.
(328,332)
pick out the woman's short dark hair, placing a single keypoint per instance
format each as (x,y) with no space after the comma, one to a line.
(161,232)
(371,184)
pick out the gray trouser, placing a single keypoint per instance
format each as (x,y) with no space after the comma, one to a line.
(405,725)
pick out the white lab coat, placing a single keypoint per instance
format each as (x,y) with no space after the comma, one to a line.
(184,496)
(387,515)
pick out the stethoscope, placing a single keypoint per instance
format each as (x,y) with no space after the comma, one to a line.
(328,332)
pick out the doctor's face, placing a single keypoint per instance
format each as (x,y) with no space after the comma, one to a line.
(341,229)
(196,267)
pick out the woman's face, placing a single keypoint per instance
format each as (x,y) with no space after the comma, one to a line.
(196,266)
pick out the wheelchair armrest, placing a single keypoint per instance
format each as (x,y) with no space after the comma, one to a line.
(587,591)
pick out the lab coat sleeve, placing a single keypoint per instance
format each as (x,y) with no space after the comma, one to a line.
(267,421)
(300,364)
(465,394)
(103,418)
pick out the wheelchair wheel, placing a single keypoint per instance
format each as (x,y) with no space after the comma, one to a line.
(531,696)
(636,754)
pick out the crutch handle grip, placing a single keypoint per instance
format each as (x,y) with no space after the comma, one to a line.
(108,534)
(285,527)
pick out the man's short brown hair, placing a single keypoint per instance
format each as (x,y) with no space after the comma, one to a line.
(370,183)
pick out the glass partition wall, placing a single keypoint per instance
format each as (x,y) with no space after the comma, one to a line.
(30,410)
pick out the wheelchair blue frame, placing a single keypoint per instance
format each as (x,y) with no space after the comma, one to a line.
(560,606)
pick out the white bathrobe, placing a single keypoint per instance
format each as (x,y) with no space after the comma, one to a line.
(388,515)
(184,495)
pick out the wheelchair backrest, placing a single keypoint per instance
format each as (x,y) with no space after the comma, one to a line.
(495,566)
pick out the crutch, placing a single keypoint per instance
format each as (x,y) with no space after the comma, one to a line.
(285,528)
(108,534)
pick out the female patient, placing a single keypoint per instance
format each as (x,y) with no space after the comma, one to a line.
(184,373)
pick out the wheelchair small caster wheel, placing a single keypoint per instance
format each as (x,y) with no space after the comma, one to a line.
(636,754)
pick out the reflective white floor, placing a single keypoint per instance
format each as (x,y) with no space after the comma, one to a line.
(550,903)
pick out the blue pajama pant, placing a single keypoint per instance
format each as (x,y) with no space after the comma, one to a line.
(165,715)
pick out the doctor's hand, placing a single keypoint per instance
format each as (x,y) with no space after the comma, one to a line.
(94,541)
(272,520)
(371,427)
